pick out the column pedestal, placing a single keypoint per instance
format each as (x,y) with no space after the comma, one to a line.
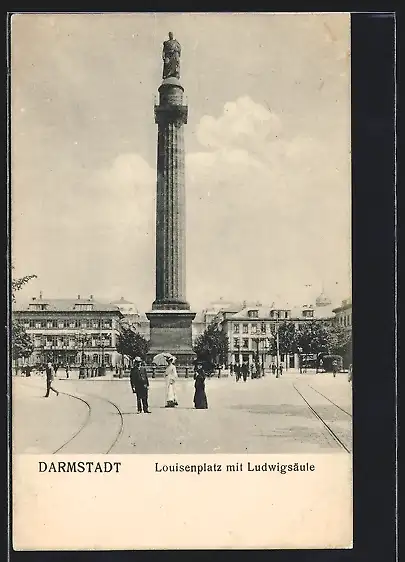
(170,332)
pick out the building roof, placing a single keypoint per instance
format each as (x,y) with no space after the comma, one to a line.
(323,300)
(346,303)
(67,305)
(121,301)
(296,312)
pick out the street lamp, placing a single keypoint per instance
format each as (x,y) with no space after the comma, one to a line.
(102,343)
(82,338)
(300,350)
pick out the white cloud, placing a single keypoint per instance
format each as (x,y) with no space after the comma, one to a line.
(264,211)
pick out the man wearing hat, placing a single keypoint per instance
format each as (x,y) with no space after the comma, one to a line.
(140,384)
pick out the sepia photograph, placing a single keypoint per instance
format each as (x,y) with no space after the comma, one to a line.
(181,240)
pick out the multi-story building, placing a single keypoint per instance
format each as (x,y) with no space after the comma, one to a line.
(343,314)
(250,329)
(71,331)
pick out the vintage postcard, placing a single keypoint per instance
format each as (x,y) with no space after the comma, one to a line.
(181,278)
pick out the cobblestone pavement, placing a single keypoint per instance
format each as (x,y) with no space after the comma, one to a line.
(267,415)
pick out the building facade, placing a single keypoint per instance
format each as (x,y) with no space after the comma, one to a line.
(75,332)
(251,329)
(343,314)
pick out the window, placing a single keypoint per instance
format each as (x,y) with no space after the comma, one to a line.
(253,314)
(235,343)
(83,323)
(95,324)
(245,328)
(61,324)
(263,328)
(38,325)
(236,328)
(245,343)
(254,328)
(72,324)
(107,359)
(107,324)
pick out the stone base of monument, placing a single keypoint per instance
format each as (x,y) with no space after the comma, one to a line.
(170,332)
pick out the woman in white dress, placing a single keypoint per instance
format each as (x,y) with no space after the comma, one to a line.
(171,378)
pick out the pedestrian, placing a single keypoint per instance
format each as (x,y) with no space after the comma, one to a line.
(171,378)
(200,398)
(273,368)
(55,368)
(49,378)
(231,369)
(245,370)
(67,370)
(237,372)
(253,371)
(350,375)
(281,367)
(334,367)
(140,385)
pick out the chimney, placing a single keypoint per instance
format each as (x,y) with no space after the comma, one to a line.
(40,295)
(91,297)
(34,298)
(78,297)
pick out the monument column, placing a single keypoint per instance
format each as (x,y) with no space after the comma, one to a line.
(170,318)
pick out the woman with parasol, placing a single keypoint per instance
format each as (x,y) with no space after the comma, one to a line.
(170,378)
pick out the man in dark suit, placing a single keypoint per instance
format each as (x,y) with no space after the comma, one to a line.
(140,385)
(49,379)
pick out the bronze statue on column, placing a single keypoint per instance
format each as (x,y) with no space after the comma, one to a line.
(171,58)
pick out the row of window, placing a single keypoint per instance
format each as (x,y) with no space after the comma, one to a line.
(92,340)
(66,324)
(89,359)
(44,306)
(273,314)
(262,328)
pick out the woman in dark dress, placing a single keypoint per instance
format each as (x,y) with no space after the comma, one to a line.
(200,398)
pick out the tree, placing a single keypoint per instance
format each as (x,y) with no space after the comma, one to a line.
(18,284)
(132,344)
(21,343)
(313,337)
(286,339)
(212,347)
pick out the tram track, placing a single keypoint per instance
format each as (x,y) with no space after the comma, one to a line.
(325,423)
(88,419)
(83,425)
(331,401)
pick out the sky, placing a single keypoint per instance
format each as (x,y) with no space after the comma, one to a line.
(268,186)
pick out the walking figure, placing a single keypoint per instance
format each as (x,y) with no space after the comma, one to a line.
(140,385)
(334,367)
(273,368)
(49,379)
